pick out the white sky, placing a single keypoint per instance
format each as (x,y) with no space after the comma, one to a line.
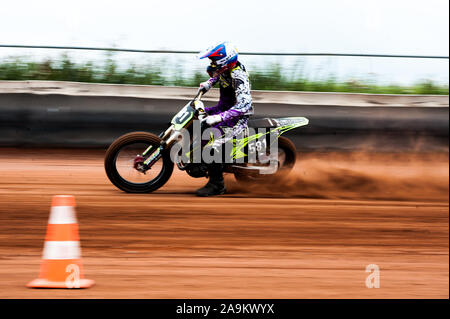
(344,26)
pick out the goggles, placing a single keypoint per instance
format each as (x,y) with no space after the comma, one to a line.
(212,68)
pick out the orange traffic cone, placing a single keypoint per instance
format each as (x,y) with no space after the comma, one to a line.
(61,265)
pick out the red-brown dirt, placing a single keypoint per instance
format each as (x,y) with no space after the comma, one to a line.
(311,237)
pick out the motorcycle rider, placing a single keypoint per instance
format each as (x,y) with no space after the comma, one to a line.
(232,112)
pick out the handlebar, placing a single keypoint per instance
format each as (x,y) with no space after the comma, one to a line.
(200,113)
(199,95)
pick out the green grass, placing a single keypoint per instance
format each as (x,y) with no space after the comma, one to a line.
(271,78)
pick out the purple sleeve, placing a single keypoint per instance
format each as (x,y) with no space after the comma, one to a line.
(213,81)
(216,109)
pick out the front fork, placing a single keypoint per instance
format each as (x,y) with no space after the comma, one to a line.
(143,165)
(144,162)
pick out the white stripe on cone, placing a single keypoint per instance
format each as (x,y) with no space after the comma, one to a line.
(62,215)
(61,250)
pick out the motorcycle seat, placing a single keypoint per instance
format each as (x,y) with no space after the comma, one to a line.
(263,123)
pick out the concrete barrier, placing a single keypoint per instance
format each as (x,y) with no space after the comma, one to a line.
(263,97)
(38,113)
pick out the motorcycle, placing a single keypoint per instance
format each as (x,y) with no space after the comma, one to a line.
(142,162)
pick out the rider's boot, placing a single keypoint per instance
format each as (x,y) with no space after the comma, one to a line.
(216,184)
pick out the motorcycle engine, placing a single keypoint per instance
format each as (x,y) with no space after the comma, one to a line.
(197,170)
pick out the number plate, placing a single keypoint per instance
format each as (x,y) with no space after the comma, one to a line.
(183,117)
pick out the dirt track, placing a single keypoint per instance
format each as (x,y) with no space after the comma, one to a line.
(312,238)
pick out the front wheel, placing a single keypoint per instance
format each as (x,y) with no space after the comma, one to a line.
(119,163)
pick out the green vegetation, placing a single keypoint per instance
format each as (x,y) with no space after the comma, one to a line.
(271,78)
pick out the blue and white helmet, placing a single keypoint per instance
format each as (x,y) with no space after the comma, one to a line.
(223,55)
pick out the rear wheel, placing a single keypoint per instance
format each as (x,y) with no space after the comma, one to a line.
(119,163)
(287,156)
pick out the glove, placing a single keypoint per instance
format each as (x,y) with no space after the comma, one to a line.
(212,120)
(205,86)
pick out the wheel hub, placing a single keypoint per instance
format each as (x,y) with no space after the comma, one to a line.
(139,164)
